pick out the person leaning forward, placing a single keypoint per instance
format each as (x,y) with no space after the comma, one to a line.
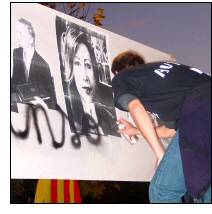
(180,96)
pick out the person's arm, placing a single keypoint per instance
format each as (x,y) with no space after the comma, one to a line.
(164,132)
(130,130)
(145,126)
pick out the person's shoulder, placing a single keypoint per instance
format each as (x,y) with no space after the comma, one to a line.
(135,71)
(119,79)
(125,74)
(39,59)
(115,79)
(17,50)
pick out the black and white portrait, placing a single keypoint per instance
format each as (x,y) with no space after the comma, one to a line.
(31,76)
(86,79)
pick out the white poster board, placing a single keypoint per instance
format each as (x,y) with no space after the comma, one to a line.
(66,62)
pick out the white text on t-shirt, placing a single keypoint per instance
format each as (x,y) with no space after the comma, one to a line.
(164,69)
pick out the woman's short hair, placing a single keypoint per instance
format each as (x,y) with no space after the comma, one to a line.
(125,60)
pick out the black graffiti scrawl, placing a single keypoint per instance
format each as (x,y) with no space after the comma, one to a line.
(31,114)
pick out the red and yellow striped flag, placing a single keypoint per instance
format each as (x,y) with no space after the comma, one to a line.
(57,191)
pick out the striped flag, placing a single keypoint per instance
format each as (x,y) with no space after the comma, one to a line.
(57,191)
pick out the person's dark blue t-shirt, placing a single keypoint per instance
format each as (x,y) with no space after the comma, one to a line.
(160,86)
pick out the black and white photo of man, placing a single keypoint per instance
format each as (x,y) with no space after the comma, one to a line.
(30,73)
(89,103)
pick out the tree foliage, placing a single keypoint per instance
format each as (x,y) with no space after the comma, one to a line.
(78,10)
(98,17)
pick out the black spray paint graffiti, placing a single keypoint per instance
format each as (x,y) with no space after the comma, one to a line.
(31,112)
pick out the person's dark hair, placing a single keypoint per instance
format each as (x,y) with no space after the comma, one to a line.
(29,27)
(125,60)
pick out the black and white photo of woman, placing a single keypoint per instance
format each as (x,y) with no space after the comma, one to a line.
(87,109)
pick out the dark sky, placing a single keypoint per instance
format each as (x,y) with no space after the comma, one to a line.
(182,29)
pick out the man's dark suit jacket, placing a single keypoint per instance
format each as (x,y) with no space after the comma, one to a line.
(39,74)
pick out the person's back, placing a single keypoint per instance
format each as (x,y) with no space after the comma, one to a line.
(162,86)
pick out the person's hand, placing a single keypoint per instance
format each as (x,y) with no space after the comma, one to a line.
(128,129)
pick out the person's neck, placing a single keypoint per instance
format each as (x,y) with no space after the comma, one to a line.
(28,49)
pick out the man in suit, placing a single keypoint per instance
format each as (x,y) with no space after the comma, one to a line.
(31,73)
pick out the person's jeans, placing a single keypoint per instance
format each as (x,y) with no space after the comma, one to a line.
(168,185)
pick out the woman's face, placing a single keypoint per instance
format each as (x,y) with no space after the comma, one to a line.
(84,74)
